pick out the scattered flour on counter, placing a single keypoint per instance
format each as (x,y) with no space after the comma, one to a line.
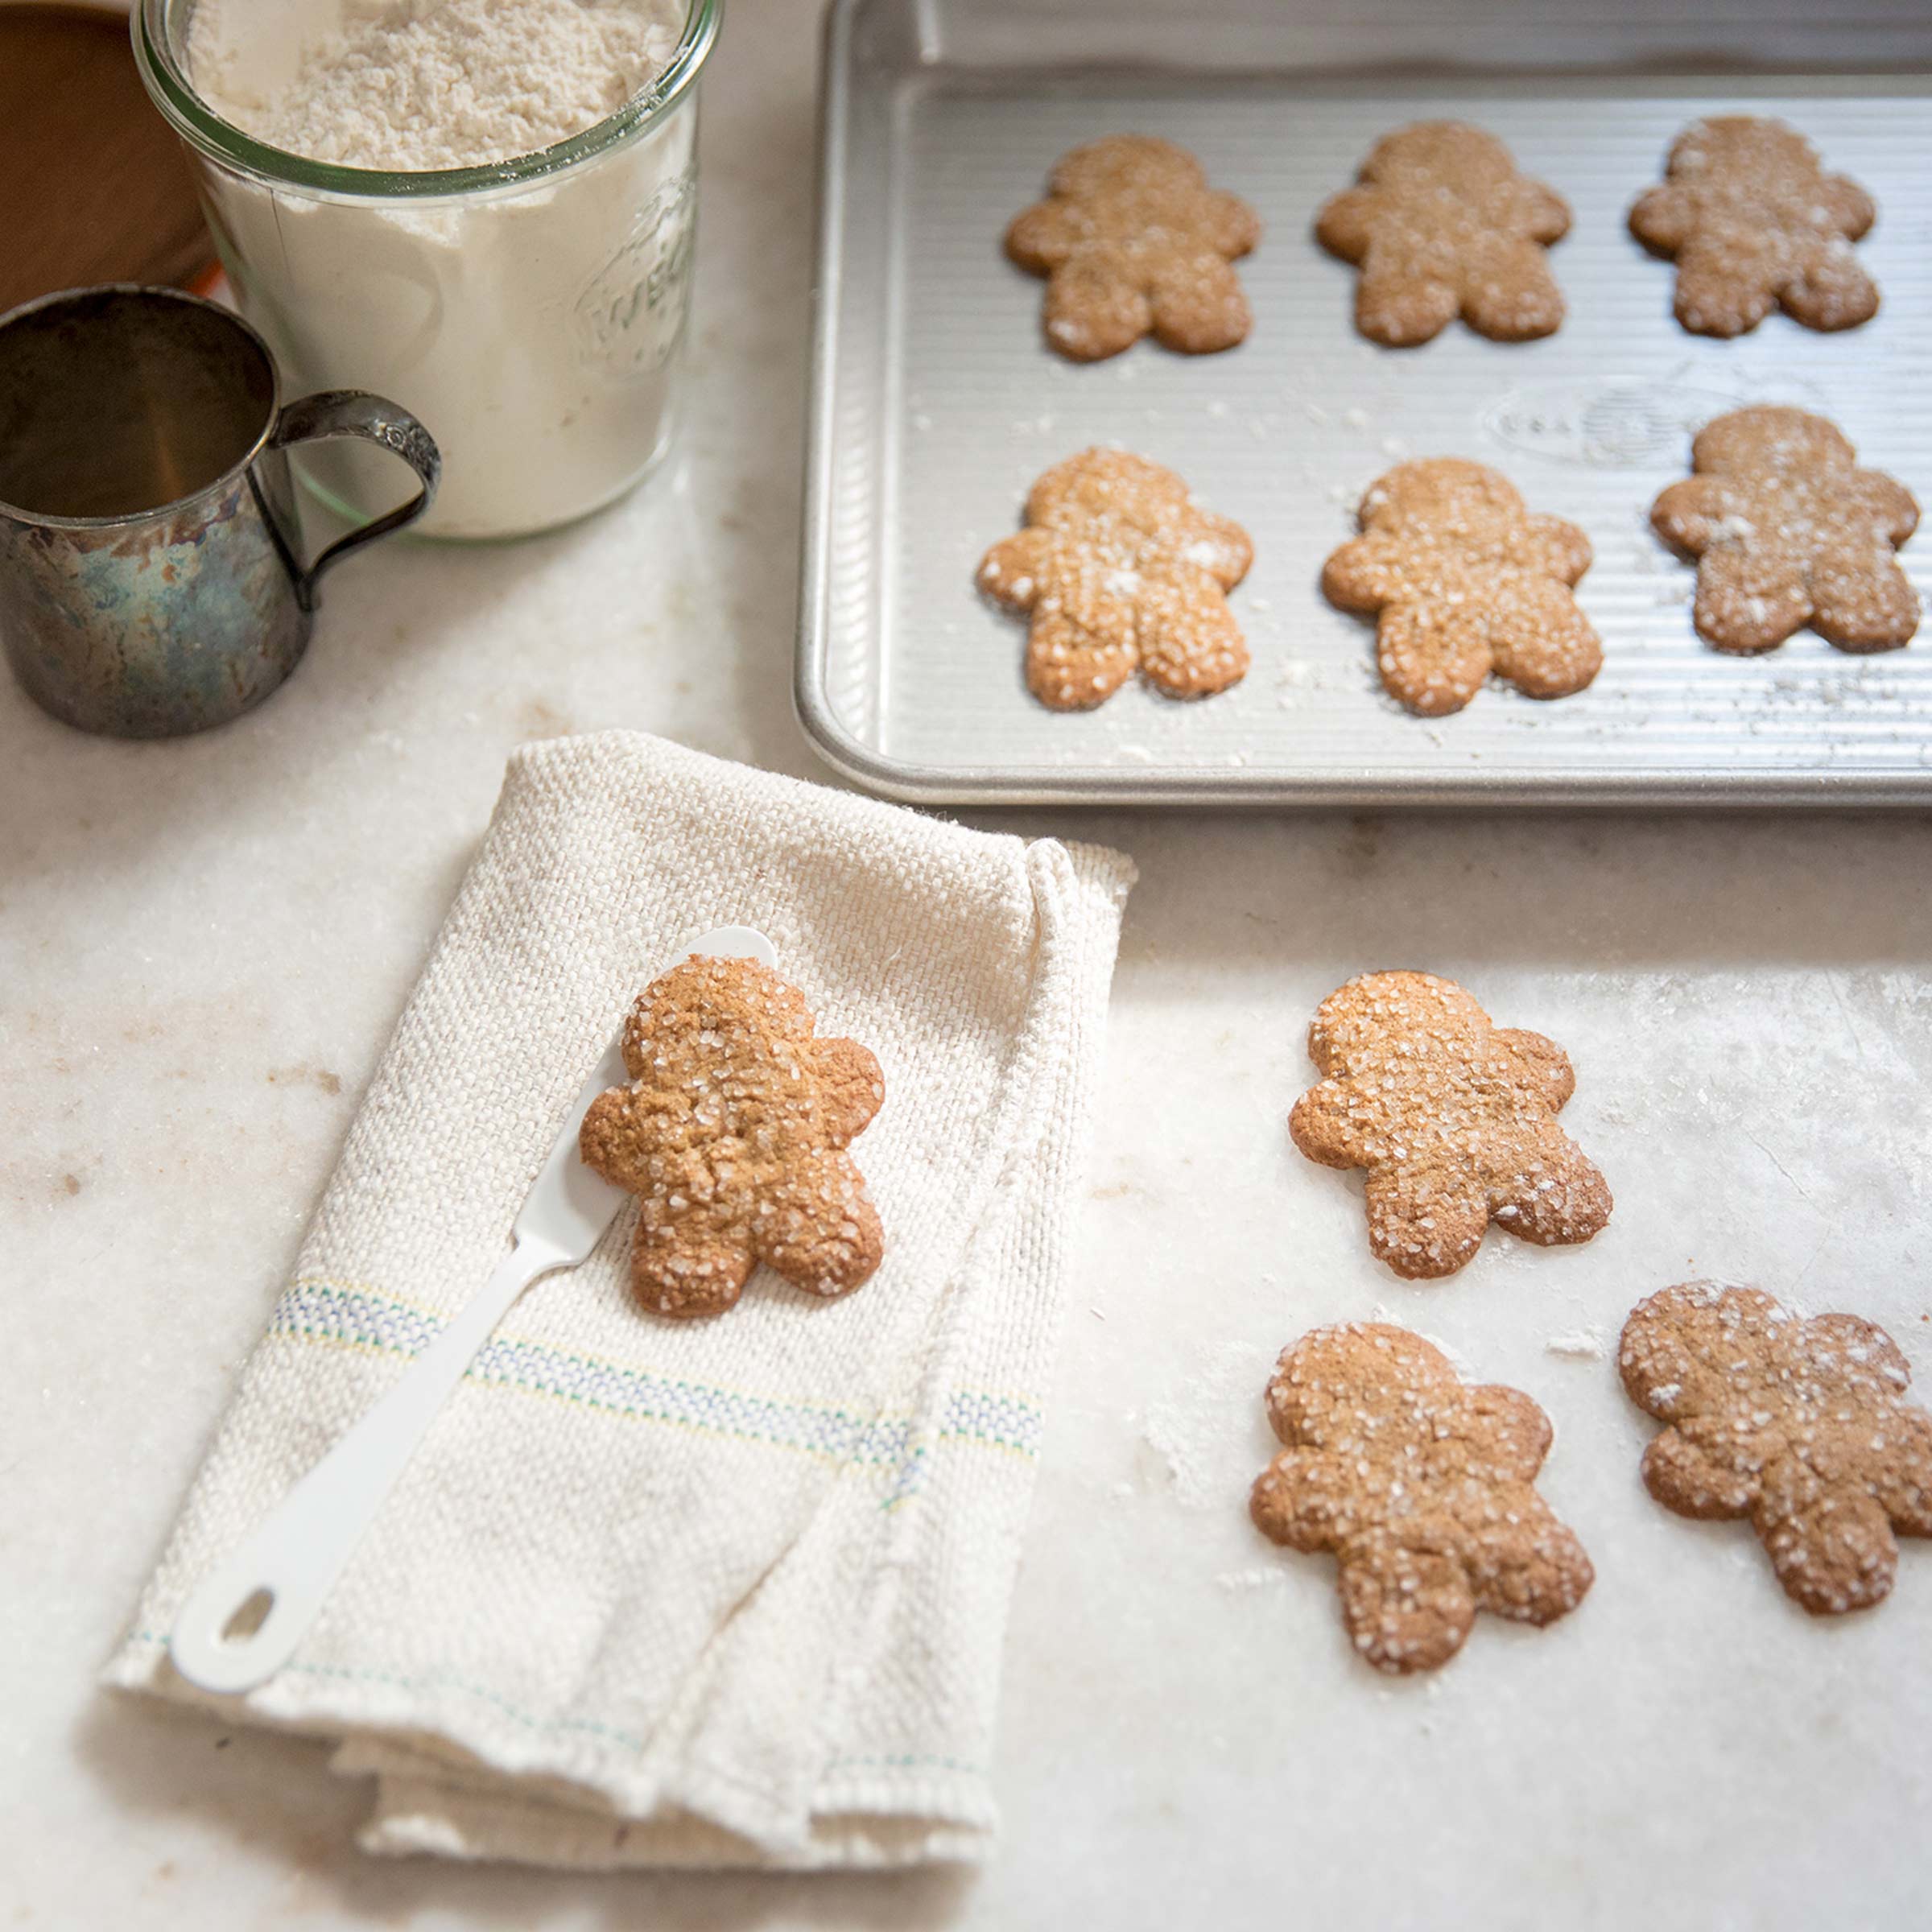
(1209,1430)
(1586,1343)
(1261,1577)
(420,85)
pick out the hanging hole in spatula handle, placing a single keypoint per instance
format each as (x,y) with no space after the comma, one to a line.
(354,412)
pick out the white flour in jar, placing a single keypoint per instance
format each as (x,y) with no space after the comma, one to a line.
(420,85)
(532,327)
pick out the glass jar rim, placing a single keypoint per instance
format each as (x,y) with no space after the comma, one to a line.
(191,117)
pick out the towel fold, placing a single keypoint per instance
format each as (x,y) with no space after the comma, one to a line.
(722,1592)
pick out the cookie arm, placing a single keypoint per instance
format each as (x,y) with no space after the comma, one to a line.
(1228,224)
(1661,218)
(1306,1500)
(609,1143)
(1347,222)
(1552,545)
(850,1088)
(1893,508)
(1011,571)
(1363,574)
(1326,1125)
(1509,1432)
(1545,214)
(1853,211)
(1544,1058)
(1040,237)
(1685,514)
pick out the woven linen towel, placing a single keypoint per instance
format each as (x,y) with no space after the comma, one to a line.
(722,1592)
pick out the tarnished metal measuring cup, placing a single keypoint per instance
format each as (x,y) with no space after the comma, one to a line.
(150,577)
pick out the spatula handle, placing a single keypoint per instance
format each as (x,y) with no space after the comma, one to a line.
(294,1558)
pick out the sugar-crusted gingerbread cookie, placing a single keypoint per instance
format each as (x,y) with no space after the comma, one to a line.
(1754,220)
(1121,570)
(1422,1486)
(1442,224)
(1466,581)
(1133,242)
(1789,531)
(733,1135)
(1803,1427)
(1454,1117)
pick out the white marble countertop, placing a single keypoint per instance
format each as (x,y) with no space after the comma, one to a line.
(203,945)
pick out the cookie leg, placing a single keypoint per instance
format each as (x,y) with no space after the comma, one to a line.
(1070,668)
(1528,1565)
(1198,306)
(1190,645)
(1541,640)
(1724,288)
(1510,295)
(1747,602)
(819,1230)
(1832,289)
(1864,605)
(1559,1200)
(684,1272)
(1423,1224)
(1399,303)
(1094,308)
(1433,663)
(1834,1553)
(1406,1596)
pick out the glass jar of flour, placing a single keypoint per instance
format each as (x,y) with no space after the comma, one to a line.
(529,309)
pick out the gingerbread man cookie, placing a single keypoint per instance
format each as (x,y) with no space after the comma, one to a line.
(733,1135)
(1133,242)
(1441,223)
(1802,1426)
(1422,1486)
(1121,570)
(1454,1117)
(1466,581)
(1754,220)
(1788,531)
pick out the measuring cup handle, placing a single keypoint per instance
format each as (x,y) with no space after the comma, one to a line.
(352,412)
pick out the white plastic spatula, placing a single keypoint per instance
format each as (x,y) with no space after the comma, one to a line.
(291,1562)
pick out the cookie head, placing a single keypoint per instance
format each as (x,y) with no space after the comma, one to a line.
(1755,222)
(731,1133)
(1120,571)
(1802,1426)
(1441,223)
(1422,1486)
(1789,531)
(1465,582)
(1132,242)
(1454,1118)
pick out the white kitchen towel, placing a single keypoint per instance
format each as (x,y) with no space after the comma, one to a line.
(725,1592)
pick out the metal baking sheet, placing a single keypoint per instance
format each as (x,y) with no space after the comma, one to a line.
(936,402)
